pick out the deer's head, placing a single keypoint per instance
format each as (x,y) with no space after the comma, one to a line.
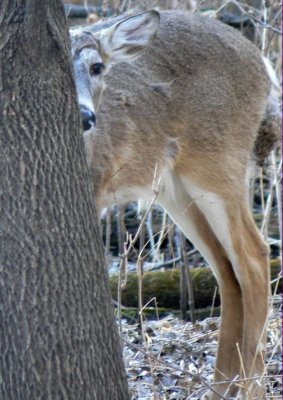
(95,48)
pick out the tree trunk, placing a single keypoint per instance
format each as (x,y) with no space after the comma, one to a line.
(58,338)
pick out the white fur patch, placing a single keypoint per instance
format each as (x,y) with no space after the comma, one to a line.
(176,200)
(213,208)
(86,101)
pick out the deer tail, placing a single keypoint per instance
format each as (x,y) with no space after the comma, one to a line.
(270,129)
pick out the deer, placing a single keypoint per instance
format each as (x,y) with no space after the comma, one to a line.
(188,100)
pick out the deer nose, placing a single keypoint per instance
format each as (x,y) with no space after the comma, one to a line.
(88,118)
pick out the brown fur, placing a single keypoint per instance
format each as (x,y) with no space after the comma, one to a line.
(191,108)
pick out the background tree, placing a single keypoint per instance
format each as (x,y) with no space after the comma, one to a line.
(58,338)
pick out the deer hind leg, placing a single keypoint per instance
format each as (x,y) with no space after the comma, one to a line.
(231,221)
(253,273)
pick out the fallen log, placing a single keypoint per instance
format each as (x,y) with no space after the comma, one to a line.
(164,286)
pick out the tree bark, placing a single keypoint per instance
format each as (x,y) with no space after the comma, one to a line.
(58,337)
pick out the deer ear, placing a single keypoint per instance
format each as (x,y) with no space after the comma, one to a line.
(129,38)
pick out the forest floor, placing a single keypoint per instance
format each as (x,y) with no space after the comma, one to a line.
(173,359)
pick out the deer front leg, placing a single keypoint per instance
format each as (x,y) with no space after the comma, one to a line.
(195,226)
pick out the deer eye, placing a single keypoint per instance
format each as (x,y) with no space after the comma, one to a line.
(96,69)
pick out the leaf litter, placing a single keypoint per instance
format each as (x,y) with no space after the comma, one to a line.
(176,359)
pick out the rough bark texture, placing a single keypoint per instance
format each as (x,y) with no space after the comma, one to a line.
(58,338)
